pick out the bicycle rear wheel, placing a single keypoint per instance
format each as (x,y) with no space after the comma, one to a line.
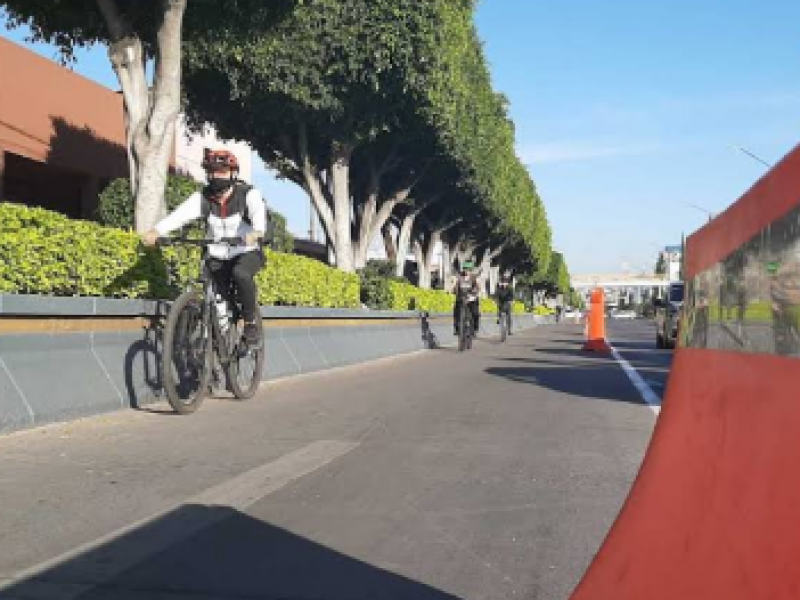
(462,328)
(247,365)
(186,356)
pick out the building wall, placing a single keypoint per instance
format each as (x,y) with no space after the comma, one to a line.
(62,136)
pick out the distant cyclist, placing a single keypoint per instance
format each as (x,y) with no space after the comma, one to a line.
(467,290)
(231,208)
(505,297)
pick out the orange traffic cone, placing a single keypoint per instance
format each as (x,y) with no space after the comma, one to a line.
(596,341)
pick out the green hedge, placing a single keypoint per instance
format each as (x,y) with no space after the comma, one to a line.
(42,252)
(404,296)
(115,203)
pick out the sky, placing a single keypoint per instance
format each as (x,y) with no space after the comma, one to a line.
(627,113)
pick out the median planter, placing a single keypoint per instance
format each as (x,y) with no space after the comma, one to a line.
(63,358)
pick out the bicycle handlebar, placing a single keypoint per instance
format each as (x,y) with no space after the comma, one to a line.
(174,241)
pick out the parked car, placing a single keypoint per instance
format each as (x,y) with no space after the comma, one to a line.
(624,313)
(668,313)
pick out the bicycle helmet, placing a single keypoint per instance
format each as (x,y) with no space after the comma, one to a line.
(219,160)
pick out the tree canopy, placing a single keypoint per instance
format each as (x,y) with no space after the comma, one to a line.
(383,111)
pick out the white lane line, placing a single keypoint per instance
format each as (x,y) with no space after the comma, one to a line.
(648,395)
(101,560)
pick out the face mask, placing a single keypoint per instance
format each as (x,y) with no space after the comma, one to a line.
(217,186)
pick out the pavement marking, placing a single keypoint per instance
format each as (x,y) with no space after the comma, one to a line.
(101,560)
(648,395)
(14,383)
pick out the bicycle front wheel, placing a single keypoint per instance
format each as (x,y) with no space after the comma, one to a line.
(462,329)
(186,356)
(246,365)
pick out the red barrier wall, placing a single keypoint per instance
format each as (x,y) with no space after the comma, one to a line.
(715,510)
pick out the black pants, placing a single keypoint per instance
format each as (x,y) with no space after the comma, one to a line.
(242,271)
(474,308)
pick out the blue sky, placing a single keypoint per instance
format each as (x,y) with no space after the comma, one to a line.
(626,112)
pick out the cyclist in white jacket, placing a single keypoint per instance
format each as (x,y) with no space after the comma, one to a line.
(231,208)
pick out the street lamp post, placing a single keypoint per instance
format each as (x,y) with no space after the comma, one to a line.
(751,155)
(701,209)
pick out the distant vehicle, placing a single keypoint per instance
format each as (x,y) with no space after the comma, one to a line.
(668,314)
(624,313)
(572,314)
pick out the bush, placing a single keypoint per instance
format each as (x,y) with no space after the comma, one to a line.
(42,252)
(282,240)
(115,204)
(376,278)
(405,296)
(293,280)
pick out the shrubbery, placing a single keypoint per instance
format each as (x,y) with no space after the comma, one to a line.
(42,252)
(376,279)
(115,204)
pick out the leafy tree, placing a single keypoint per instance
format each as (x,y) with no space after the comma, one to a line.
(138,33)
(661,265)
(330,99)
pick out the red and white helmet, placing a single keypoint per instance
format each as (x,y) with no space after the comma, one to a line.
(219,160)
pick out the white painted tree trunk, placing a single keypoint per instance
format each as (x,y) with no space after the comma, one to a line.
(446,268)
(404,242)
(494,278)
(150,114)
(342,208)
(419,255)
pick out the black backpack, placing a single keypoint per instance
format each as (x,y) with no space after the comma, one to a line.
(238,200)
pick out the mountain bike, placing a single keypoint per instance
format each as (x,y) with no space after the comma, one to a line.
(203,339)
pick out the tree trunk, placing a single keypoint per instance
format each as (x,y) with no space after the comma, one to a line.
(419,255)
(483,271)
(494,278)
(390,244)
(149,115)
(446,266)
(404,242)
(342,207)
(372,220)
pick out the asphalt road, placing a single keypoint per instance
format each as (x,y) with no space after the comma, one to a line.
(490,474)
(636,341)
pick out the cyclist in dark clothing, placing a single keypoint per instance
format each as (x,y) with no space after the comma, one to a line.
(467,289)
(505,297)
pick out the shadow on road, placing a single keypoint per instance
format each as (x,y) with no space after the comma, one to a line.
(221,553)
(143,380)
(593,380)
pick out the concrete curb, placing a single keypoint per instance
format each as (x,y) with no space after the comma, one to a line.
(52,377)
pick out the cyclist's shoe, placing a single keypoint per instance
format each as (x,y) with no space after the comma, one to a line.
(252,336)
